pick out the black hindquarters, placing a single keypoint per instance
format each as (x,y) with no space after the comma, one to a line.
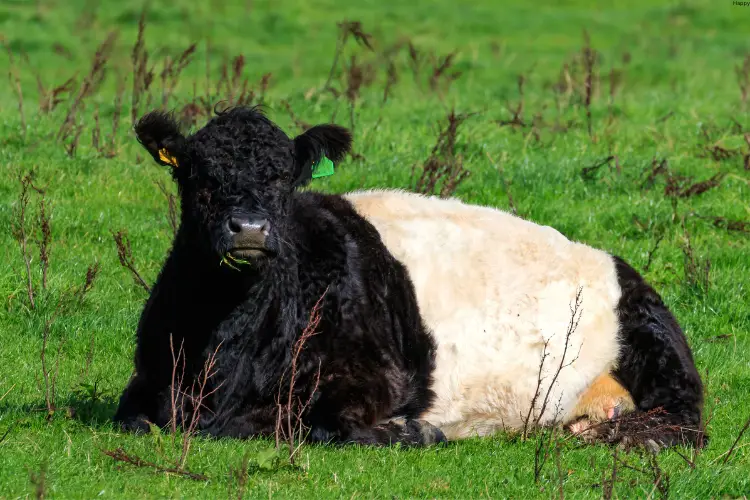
(657,368)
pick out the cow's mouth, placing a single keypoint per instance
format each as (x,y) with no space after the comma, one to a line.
(247,252)
(242,256)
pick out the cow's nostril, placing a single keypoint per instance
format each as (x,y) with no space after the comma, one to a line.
(235,225)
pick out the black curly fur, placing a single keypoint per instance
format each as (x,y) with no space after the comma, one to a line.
(374,353)
(656,366)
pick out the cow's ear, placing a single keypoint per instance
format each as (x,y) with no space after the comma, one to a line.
(160,135)
(313,146)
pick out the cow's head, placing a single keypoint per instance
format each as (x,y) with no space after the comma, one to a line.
(237,174)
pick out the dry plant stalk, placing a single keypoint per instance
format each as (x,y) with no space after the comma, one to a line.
(96,131)
(531,421)
(734,445)
(415,60)
(501,171)
(653,249)
(171,215)
(15,82)
(302,125)
(125,254)
(720,153)
(517,119)
(55,97)
(548,438)
(170,75)
(112,151)
(50,99)
(444,169)
(72,146)
(560,474)
(44,238)
(232,85)
(358,75)
(640,428)
(180,398)
(563,89)
(391,81)
(660,478)
(50,383)
(142,75)
(89,358)
(239,475)
(347,29)
(238,89)
(677,189)
(19,230)
(49,374)
(39,481)
(107,148)
(713,147)
(89,86)
(658,168)
(120,455)
(589,173)
(290,415)
(440,71)
(608,485)
(7,431)
(728,224)
(743,79)
(197,395)
(588,56)
(91,274)
(615,82)
(697,271)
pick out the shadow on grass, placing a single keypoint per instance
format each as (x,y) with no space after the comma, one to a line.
(90,412)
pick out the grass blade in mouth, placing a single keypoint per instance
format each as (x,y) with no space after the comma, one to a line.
(226,260)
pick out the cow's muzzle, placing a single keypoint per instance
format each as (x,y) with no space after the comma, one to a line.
(248,236)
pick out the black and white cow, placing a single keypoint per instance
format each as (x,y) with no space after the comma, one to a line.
(434,318)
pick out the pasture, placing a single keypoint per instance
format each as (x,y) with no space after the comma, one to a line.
(625,126)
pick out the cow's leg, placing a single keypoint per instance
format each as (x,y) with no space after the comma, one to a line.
(404,432)
(605,399)
(138,405)
(371,410)
(656,367)
(145,397)
(261,420)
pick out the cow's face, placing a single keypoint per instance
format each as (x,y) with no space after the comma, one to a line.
(236,177)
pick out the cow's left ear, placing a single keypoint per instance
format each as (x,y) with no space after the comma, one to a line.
(160,135)
(329,141)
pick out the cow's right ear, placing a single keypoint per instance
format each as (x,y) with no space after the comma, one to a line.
(329,141)
(160,135)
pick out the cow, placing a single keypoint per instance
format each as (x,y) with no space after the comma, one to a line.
(437,320)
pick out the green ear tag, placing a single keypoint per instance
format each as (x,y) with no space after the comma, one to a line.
(323,168)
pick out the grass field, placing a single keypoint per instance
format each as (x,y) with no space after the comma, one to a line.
(660,109)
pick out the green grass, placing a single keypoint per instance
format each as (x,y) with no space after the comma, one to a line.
(677,61)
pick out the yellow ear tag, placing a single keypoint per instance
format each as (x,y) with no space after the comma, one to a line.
(167,158)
